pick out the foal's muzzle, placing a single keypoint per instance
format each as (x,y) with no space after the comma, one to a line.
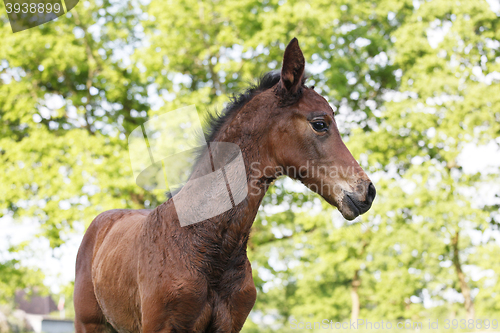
(358,203)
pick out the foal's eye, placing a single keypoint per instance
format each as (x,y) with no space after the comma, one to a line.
(319,126)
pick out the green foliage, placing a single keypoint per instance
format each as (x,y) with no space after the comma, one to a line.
(13,277)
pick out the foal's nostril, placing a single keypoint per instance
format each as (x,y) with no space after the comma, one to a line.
(371,193)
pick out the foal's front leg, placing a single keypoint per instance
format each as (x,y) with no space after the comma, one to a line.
(186,312)
(176,322)
(243,300)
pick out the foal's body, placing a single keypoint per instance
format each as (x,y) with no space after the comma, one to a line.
(140,271)
(196,301)
(210,290)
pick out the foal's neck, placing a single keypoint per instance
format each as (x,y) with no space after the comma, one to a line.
(231,229)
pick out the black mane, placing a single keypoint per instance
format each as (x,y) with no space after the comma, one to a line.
(215,122)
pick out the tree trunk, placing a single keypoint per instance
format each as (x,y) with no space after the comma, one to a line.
(469,306)
(356,282)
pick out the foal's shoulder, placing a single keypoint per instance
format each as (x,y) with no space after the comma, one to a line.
(109,218)
(120,213)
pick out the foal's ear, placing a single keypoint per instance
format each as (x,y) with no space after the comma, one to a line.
(293,67)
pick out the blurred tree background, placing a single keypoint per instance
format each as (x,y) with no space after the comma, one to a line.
(415,87)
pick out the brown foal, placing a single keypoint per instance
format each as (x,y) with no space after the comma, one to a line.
(140,271)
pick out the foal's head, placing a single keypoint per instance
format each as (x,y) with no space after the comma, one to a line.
(305,144)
